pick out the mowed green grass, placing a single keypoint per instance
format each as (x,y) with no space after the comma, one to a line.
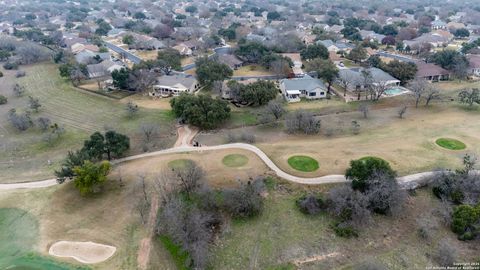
(18,237)
(28,157)
(179,163)
(303,163)
(235,160)
(451,144)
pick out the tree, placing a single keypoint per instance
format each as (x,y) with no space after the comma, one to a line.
(273,16)
(447,59)
(202,110)
(259,93)
(364,109)
(34,103)
(465,218)
(302,121)
(131,108)
(169,59)
(418,87)
(21,121)
(401,112)
(469,96)
(120,78)
(357,54)
(461,33)
(191,9)
(445,254)
(404,71)
(389,30)
(139,16)
(388,40)
(90,176)
(362,170)
(3,100)
(18,90)
(73,159)
(128,39)
(275,108)
(162,31)
(314,51)
(116,144)
(43,123)
(245,201)
(349,206)
(95,146)
(4,55)
(325,70)
(431,94)
(384,194)
(311,204)
(210,71)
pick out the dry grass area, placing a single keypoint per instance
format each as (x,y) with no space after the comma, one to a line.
(408,144)
(145,101)
(187,60)
(146,54)
(252,70)
(219,175)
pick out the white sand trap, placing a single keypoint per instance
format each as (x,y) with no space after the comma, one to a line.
(84,252)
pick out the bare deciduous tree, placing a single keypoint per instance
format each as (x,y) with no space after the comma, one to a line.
(349,205)
(302,121)
(431,94)
(364,109)
(417,88)
(401,112)
(43,123)
(445,254)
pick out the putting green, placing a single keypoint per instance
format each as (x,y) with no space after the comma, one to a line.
(235,160)
(303,163)
(179,163)
(450,144)
(18,237)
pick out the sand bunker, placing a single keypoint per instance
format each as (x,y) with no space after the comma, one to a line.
(84,252)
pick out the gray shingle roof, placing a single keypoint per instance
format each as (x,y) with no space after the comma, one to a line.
(306,83)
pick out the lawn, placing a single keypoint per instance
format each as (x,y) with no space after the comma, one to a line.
(179,163)
(303,163)
(451,144)
(252,70)
(235,160)
(26,156)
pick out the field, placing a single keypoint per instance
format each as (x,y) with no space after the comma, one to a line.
(26,156)
(282,237)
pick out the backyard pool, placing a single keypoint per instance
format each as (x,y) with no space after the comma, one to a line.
(395,91)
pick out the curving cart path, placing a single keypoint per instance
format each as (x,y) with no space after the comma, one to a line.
(406,181)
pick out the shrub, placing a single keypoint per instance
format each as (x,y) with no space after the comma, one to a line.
(20,73)
(465,220)
(370,265)
(10,65)
(1,74)
(22,121)
(363,169)
(310,204)
(244,201)
(3,100)
(345,230)
(302,121)
(445,254)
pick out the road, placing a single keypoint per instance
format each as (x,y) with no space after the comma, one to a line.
(409,181)
(130,56)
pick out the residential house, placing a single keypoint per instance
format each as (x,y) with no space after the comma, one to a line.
(183,49)
(435,39)
(230,60)
(103,69)
(371,36)
(87,57)
(174,85)
(439,24)
(431,72)
(361,78)
(474,64)
(336,46)
(307,87)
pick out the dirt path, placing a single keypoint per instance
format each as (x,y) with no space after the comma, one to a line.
(185,136)
(407,181)
(144,251)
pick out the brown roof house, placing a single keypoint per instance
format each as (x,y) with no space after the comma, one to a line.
(474,64)
(432,72)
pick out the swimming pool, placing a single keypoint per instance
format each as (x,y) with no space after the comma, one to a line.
(394,91)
